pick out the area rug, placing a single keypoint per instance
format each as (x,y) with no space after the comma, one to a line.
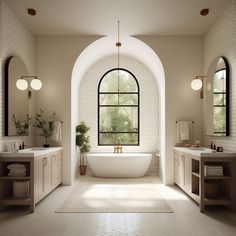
(104,195)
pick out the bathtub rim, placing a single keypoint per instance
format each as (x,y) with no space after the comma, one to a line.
(125,154)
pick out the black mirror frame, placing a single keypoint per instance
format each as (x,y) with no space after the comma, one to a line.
(6,110)
(227,96)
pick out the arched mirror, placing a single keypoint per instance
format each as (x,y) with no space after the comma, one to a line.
(217,105)
(16,100)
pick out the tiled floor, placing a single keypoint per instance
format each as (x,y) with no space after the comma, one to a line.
(186,219)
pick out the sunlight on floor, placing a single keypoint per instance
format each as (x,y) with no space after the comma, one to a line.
(171,192)
(117,195)
(117,190)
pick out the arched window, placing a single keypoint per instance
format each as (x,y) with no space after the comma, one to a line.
(118,108)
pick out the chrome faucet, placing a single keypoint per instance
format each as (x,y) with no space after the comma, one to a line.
(117,146)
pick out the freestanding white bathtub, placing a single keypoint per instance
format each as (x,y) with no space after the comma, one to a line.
(119,165)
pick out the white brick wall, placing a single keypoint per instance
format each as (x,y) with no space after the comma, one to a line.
(16,40)
(149,105)
(220,40)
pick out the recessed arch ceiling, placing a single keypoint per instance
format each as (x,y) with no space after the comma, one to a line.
(99,17)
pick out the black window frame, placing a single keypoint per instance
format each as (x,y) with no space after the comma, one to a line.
(138,107)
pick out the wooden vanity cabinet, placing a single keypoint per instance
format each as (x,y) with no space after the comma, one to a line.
(206,190)
(44,173)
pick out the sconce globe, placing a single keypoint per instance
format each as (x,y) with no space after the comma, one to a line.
(36,84)
(21,84)
(196,84)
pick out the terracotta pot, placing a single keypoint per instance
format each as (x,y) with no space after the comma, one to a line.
(82,169)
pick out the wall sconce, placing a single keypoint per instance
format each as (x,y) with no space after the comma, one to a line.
(35,83)
(22,83)
(197,84)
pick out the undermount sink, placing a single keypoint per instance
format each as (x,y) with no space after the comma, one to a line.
(197,148)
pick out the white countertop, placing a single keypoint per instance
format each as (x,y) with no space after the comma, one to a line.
(31,152)
(205,152)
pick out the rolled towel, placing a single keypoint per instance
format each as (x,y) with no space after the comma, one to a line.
(16,175)
(14,166)
(17,171)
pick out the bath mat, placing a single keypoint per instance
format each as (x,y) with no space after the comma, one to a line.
(106,195)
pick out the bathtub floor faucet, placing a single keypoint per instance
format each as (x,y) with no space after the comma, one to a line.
(117,146)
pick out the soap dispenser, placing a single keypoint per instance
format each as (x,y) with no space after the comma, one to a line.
(211,146)
(214,147)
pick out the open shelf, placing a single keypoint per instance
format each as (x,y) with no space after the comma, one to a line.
(218,177)
(226,167)
(195,166)
(196,174)
(219,201)
(7,182)
(15,201)
(15,177)
(4,170)
(195,185)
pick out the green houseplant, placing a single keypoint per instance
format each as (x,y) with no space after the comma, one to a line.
(22,127)
(82,141)
(46,126)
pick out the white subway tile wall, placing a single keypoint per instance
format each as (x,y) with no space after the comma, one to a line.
(149,106)
(220,40)
(15,40)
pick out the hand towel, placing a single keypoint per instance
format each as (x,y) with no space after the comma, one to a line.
(57,136)
(179,139)
(184,130)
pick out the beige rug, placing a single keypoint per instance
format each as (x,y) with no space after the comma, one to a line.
(112,195)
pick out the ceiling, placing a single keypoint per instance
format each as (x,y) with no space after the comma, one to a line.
(99,17)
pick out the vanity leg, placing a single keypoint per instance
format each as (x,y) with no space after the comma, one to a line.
(32,208)
(202,208)
(202,187)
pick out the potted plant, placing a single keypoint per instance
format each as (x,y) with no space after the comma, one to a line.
(82,141)
(46,126)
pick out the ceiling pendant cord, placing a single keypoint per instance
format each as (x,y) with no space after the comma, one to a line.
(118,45)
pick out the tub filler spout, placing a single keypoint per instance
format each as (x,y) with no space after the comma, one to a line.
(117,146)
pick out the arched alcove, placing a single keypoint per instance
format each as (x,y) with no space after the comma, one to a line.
(102,48)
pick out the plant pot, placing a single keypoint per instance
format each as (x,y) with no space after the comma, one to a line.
(82,169)
(46,145)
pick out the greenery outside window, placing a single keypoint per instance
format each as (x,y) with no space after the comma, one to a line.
(118,108)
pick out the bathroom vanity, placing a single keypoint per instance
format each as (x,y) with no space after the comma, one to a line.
(43,174)
(191,169)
